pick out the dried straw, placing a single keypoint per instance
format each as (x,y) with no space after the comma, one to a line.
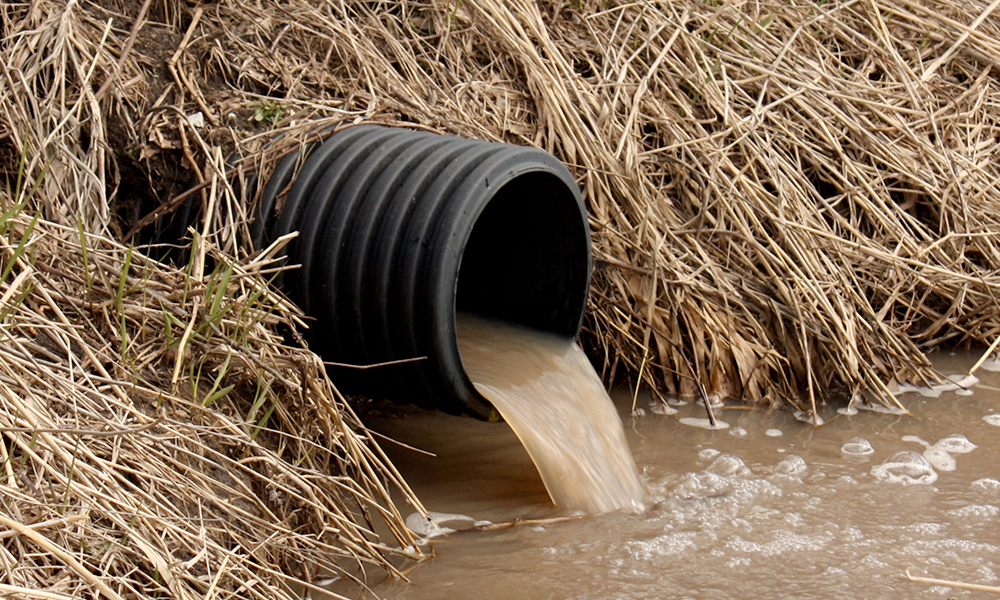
(238,472)
(792,203)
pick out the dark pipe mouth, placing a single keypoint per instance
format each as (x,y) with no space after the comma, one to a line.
(526,260)
(400,230)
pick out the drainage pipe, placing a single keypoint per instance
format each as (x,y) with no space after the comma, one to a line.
(399,230)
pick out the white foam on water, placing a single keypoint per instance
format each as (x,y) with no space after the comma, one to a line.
(978,511)
(987,484)
(906,468)
(728,464)
(703,423)
(661,408)
(434,524)
(857,447)
(848,411)
(792,465)
(940,453)
(807,417)
(993,419)
(964,392)
(708,454)
(940,459)
(782,543)
(956,443)
(880,408)
(956,382)
(701,485)
(774,433)
(992,363)
(918,440)
(738,432)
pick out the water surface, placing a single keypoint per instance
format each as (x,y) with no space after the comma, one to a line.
(768,508)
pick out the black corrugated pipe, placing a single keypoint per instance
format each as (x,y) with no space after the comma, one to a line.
(399,230)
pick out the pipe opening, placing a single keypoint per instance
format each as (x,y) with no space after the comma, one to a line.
(527,258)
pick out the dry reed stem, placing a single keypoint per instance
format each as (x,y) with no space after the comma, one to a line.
(115,483)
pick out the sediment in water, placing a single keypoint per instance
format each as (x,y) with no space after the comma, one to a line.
(546,389)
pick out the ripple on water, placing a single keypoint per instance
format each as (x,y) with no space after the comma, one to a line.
(857,447)
(907,468)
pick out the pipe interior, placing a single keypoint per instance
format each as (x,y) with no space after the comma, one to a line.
(527,260)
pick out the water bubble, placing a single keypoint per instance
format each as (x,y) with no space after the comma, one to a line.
(956,444)
(704,484)
(987,484)
(792,465)
(703,423)
(774,433)
(993,419)
(661,408)
(708,454)
(940,459)
(727,464)
(738,432)
(857,447)
(982,511)
(907,468)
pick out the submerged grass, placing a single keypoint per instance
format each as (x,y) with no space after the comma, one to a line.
(792,202)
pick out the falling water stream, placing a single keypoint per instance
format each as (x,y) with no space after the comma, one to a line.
(547,391)
(769,507)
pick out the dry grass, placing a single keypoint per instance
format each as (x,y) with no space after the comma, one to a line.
(791,201)
(159,439)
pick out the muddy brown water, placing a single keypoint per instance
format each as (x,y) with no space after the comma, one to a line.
(549,394)
(767,508)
